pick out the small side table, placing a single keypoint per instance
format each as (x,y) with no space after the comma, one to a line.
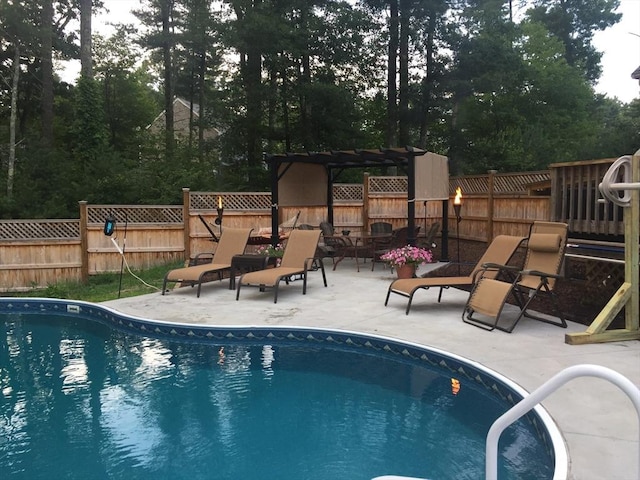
(246,263)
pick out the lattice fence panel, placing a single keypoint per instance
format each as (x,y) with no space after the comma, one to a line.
(604,276)
(230,201)
(348,192)
(519,182)
(387,185)
(39,229)
(504,183)
(133,214)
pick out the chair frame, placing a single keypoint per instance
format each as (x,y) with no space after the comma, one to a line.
(340,246)
(545,284)
(505,245)
(428,240)
(196,274)
(271,278)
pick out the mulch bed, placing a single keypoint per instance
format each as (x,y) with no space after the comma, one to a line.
(580,297)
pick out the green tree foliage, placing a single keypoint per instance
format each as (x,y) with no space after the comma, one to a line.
(459,77)
(617,129)
(574,23)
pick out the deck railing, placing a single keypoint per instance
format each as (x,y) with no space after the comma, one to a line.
(575,195)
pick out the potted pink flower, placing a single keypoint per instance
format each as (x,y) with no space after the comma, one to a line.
(405,260)
(274,253)
(270,250)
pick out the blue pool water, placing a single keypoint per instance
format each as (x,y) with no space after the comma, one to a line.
(81,399)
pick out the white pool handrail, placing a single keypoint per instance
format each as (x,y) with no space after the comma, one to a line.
(542,392)
(610,186)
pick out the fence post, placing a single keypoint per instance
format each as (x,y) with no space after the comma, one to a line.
(186,221)
(84,242)
(491,186)
(365,203)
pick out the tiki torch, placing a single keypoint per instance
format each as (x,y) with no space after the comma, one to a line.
(220,210)
(457,207)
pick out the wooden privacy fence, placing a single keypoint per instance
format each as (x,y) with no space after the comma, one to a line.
(36,253)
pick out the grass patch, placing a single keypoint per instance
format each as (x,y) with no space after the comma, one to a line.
(105,286)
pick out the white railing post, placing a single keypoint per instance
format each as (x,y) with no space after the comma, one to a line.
(547,388)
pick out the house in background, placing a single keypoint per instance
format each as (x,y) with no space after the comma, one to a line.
(181,115)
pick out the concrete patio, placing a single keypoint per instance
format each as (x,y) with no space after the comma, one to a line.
(598,421)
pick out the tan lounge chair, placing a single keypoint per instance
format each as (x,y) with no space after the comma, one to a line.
(232,242)
(298,259)
(500,251)
(545,253)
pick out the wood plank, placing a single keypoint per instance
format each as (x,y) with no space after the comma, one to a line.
(611,309)
(618,335)
(38,266)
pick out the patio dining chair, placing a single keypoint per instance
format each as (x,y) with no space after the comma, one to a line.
(232,242)
(429,239)
(500,250)
(340,246)
(381,228)
(538,277)
(298,259)
(399,238)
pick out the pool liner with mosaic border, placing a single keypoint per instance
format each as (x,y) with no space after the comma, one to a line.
(459,367)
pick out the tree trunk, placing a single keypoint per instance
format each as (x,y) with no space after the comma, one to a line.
(285,109)
(166,13)
(305,79)
(46,117)
(254,109)
(192,94)
(403,96)
(86,59)
(392,109)
(12,122)
(427,82)
(201,97)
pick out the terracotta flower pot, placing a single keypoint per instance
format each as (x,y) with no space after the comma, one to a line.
(406,271)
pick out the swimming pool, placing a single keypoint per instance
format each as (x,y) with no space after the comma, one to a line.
(88,399)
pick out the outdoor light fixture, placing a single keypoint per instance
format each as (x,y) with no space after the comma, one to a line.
(109,226)
(220,210)
(109,230)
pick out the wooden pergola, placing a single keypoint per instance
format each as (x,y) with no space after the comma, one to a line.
(335,162)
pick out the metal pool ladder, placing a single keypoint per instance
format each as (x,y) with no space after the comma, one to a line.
(542,392)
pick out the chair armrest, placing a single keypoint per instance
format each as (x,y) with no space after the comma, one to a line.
(539,273)
(337,240)
(511,272)
(498,266)
(201,258)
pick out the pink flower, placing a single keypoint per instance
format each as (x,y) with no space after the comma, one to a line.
(407,255)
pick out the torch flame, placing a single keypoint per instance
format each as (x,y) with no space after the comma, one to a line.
(219,202)
(458,199)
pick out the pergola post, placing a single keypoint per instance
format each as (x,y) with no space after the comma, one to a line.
(275,167)
(411,199)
